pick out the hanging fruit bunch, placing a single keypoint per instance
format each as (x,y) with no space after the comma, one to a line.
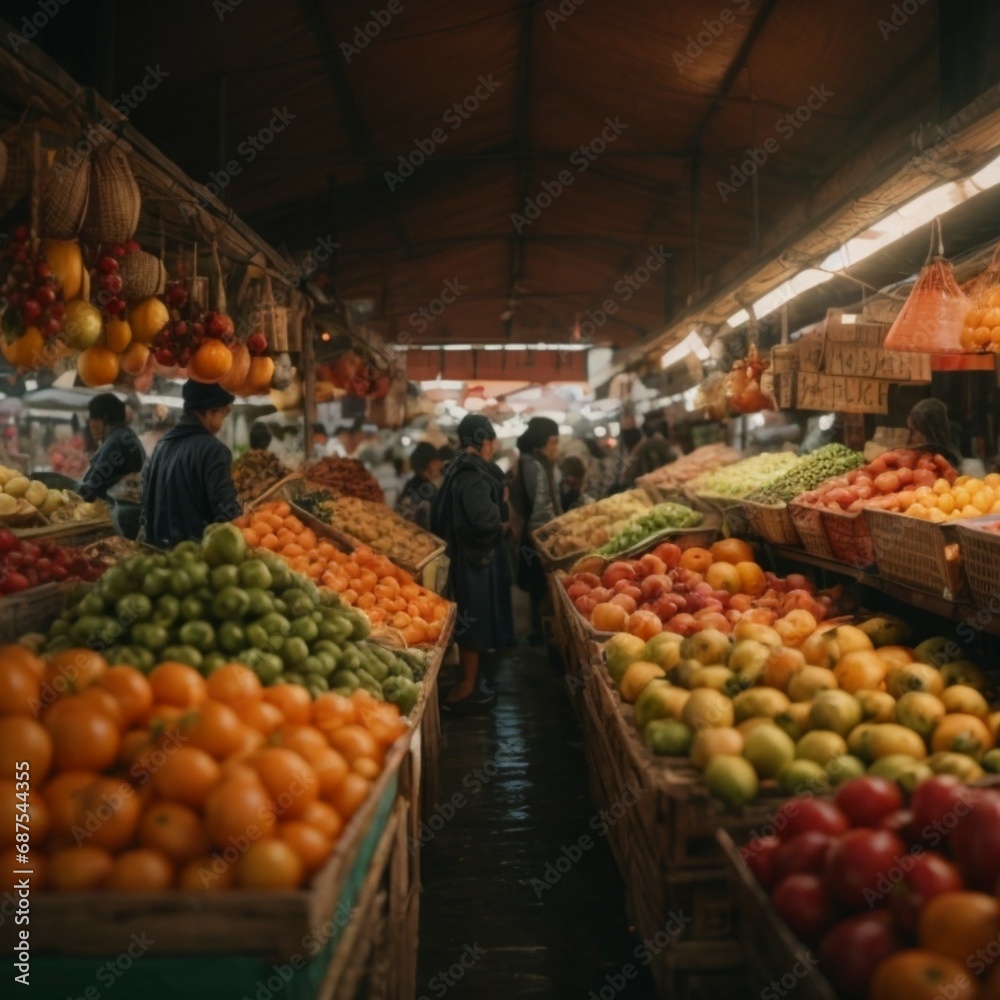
(31,301)
(743,384)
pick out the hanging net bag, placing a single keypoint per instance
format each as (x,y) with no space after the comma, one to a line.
(981,330)
(933,316)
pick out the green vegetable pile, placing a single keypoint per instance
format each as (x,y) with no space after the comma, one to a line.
(642,526)
(216,603)
(316,504)
(736,481)
(809,472)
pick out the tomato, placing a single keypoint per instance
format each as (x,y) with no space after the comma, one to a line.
(922,975)
(937,804)
(960,925)
(801,814)
(901,824)
(805,852)
(758,855)
(851,950)
(859,865)
(866,801)
(975,841)
(929,875)
(805,905)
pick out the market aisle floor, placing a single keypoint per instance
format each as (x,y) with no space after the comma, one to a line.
(513,795)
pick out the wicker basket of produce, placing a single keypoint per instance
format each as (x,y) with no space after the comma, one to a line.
(809,527)
(850,537)
(771,522)
(979,542)
(918,553)
(656,525)
(732,483)
(143,275)
(665,483)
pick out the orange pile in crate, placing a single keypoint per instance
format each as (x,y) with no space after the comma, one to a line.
(364,579)
(137,783)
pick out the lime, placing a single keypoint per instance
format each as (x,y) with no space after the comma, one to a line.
(167,610)
(180,583)
(199,634)
(261,602)
(150,636)
(991,761)
(183,654)
(305,628)
(225,576)
(223,543)
(667,737)
(731,779)
(231,637)
(844,768)
(134,608)
(255,573)
(801,776)
(294,652)
(231,603)
(769,749)
(191,609)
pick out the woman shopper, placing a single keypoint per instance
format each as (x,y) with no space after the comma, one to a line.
(536,501)
(418,494)
(114,470)
(469,514)
(188,482)
(930,430)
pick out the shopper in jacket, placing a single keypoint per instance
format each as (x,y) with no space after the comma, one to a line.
(113,475)
(536,500)
(188,483)
(418,494)
(469,513)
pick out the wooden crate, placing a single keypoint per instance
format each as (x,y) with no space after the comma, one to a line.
(773,951)
(700,971)
(30,610)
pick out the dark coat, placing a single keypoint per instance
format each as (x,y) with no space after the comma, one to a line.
(416,500)
(120,454)
(469,513)
(187,485)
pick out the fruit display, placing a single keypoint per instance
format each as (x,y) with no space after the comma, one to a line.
(952,501)
(699,462)
(375,524)
(345,477)
(898,898)
(68,455)
(212,603)
(168,781)
(642,526)
(687,590)
(810,471)
(25,564)
(802,704)
(256,471)
(981,329)
(736,481)
(24,501)
(592,525)
(882,483)
(363,579)
(31,296)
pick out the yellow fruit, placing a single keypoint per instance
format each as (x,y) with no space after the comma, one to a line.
(147,318)
(983,500)
(27,351)
(972,485)
(969,511)
(993,480)
(66,262)
(918,510)
(637,677)
(936,516)
(82,324)
(117,335)
(942,486)
(962,496)
(946,503)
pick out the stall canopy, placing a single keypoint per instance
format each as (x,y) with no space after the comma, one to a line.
(529,172)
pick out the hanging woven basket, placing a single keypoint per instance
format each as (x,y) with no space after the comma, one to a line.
(143,274)
(17,166)
(263,313)
(113,212)
(65,194)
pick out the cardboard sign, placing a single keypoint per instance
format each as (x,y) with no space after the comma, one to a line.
(872,362)
(841,393)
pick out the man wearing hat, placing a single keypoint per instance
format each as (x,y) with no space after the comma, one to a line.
(188,482)
(113,474)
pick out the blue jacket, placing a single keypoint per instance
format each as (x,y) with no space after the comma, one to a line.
(187,485)
(120,453)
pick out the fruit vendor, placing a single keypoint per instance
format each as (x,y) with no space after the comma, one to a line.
(930,430)
(188,482)
(469,514)
(114,472)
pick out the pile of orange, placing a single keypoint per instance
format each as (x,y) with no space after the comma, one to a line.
(174,782)
(364,578)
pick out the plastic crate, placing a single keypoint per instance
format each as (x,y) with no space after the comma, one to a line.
(915,552)
(808,523)
(980,548)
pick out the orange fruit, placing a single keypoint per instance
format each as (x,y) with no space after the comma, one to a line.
(731,550)
(77,869)
(74,669)
(36,819)
(330,768)
(269,864)
(187,775)
(238,811)
(752,578)
(350,795)
(324,817)
(696,559)
(332,710)
(83,736)
(215,728)
(206,874)
(309,843)
(290,781)
(178,684)
(174,829)
(131,690)
(108,811)
(292,700)
(260,715)
(140,870)
(307,741)
(20,690)
(24,657)
(234,684)
(354,742)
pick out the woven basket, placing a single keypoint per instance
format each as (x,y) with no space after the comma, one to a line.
(272,319)
(850,538)
(911,551)
(772,522)
(143,275)
(17,167)
(980,549)
(808,523)
(65,195)
(113,213)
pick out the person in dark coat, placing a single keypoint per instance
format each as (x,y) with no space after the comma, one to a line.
(930,430)
(469,513)
(536,501)
(418,494)
(114,471)
(188,482)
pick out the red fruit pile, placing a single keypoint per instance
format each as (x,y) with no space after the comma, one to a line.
(24,565)
(189,326)
(862,878)
(30,294)
(106,279)
(878,483)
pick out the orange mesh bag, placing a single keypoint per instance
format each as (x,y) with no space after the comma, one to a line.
(981,329)
(933,316)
